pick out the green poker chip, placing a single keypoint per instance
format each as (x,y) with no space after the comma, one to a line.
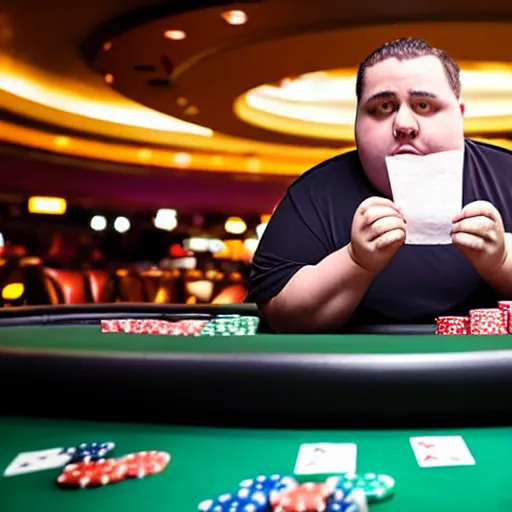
(376,487)
(231,325)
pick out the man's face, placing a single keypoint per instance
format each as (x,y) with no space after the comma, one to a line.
(406,106)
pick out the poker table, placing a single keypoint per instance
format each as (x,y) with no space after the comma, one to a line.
(229,408)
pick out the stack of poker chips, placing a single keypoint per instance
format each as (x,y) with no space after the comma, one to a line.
(349,492)
(88,466)
(490,322)
(222,325)
(231,325)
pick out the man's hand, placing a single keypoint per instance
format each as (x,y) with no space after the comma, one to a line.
(479,234)
(378,231)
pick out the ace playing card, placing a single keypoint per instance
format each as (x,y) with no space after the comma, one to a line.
(28,462)
(438,451)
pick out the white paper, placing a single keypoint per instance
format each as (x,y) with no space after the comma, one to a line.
(28,462)
(317,458)
(429,190)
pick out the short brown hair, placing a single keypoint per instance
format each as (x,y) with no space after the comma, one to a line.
(409,48)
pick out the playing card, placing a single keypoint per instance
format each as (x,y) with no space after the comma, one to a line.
(317,458)
(28,462)
(437,451)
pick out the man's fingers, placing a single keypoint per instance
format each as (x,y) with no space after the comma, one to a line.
(480,226)
(384,225)
(376,201)
(377,213)
(389,238)
(469,240)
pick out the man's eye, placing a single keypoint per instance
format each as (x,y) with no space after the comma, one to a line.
(423,107)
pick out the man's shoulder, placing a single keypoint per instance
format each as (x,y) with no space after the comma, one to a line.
(339,168)
(489,152)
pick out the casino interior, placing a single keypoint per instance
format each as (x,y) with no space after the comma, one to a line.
(144,145)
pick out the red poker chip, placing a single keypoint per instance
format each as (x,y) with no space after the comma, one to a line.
(145,463)
(492,321)
(308,497)
(93,473)
(506,307)
(452,325)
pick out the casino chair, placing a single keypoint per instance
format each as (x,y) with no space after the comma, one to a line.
(32,284)
(69,286)
(97,281)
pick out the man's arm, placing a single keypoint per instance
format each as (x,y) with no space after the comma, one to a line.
(319,297)
(322,297)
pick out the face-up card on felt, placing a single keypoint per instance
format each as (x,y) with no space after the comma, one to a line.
(429,190)
(29,462)
(326,458)
(438,451)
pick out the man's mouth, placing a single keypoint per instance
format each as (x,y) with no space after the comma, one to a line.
(406,150)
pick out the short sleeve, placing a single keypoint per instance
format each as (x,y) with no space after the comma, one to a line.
(292,239)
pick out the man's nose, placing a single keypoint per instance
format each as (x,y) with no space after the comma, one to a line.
(405,124)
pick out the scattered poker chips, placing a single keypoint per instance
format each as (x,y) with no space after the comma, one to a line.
(489,321)
(91,471)
(375,487)
(348,492)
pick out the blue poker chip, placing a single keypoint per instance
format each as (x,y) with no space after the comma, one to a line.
(89,451)
(354,502)
(256,502)
(268,484)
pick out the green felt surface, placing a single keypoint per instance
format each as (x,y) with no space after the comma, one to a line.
(203,464)
(90,338)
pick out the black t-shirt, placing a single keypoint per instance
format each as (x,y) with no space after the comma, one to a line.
(314,219)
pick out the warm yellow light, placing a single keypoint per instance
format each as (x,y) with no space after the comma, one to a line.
(322,104)
(175,35)
(265,217)
(144,154)
(13,291)
(109,78)
(107,46)
(67,101)
(253,164)
(235,226)
(234,17)
(47,205)
(182,159)
(62,141)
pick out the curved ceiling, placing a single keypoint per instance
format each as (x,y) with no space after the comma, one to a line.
(173,87)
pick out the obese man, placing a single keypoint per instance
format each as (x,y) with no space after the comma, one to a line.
(334,251)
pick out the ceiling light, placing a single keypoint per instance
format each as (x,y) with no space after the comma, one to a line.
(175,35)
(61,141)
(109,78)
(234,17)
(182,159)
